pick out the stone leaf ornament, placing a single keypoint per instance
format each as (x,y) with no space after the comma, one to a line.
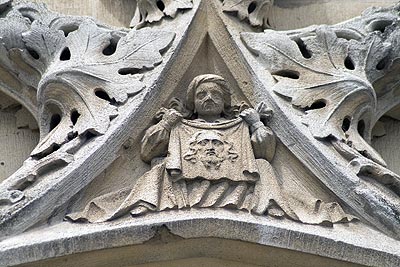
(326,77)
(256,12)
(339,81)
(82,84)
(72,74)
(154,10)
(17,78)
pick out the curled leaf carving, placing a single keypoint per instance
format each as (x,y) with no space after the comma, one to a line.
(154,10)
(256,11)
(76,76)
(86,75)
(339,80)
(17,78)
(325,76)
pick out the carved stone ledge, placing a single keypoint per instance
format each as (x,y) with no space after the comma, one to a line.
(354,244)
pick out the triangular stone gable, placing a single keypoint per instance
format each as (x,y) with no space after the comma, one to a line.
(99,151)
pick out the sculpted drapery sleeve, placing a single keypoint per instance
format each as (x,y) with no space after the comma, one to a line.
(155,141)
(263,141)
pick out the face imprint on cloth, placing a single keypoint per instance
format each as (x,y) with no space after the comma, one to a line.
(211,148)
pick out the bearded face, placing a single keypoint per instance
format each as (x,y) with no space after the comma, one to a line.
(210,148)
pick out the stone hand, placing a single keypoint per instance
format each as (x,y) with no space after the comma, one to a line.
(251,116)
(264,111)
(172,117)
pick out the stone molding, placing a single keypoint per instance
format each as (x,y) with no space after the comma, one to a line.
(348,244)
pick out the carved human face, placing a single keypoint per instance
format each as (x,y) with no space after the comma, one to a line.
(210,144)
(209,100)
(210,148)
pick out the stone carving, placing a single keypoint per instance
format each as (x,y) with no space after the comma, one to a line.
(80,85)
(256,12)
(154,10)
(98,74)
(74,75)
(334,76)
(213,158)
(4,4)
(211,148)
(327,85)
(339,96)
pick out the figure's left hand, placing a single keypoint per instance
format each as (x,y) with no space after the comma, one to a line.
(250,115)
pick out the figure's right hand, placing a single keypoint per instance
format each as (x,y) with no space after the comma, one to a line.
(172,117)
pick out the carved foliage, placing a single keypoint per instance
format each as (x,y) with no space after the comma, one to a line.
(154,10)
(86,75)
(16,77)
(326,77)
(330,75)
(256,12)
(79,72)
(346,73)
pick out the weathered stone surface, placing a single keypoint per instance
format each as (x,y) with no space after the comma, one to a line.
(153,11)
(208,153)
(353,244)
(107,102)
(74,103)
(284,14)
(115,13)
(292,68)
(256,12)
(19,135)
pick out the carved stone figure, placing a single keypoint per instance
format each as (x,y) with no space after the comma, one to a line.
(207,158)
(210,168)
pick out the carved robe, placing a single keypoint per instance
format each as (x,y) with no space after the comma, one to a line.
(222,173)
(199,164)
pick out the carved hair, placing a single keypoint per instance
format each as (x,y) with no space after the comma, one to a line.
(208,78)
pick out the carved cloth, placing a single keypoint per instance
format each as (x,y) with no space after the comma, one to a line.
(236,179)
(236,182)
(234,139)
